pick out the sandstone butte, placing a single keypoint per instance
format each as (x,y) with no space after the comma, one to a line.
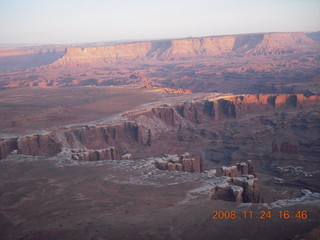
(249,44)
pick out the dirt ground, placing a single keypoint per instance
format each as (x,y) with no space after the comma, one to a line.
(59,199)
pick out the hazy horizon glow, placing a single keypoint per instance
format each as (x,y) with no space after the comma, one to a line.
(76,21)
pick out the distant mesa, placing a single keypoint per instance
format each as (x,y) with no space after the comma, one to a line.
(164,50)
(160,50)
(239,64)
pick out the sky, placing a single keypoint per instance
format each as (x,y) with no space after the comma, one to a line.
(79,21)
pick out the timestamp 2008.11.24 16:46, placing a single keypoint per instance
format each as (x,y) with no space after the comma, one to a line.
(263,214)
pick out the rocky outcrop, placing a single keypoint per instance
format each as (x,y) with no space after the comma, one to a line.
(240,183)
(238,189)
(251,44)
(37,145)
(196,111)
(295,171)
(186,162)
(238,170)
(98,137)
(40,145)
(95,155)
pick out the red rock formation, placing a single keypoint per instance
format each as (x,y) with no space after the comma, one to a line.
(165,114)
(238,170)
(196,111)
(105,136)
(237,189)
(186,162)
(39,145)
(191,162)
(234,106)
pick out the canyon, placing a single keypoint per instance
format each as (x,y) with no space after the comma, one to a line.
(136,139)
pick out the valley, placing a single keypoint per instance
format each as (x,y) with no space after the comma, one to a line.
(143,140)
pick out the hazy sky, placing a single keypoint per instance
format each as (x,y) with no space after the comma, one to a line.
(75,21)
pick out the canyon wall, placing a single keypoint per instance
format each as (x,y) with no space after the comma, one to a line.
(148,129)
(236,106)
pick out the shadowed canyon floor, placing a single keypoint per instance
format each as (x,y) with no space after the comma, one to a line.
(106,141)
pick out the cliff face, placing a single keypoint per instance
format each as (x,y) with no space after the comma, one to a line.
(37,145)
(158,127)
(251,44)
(236,106)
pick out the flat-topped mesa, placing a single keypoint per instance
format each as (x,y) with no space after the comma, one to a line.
(163,50)
(108,54)
(198,47)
